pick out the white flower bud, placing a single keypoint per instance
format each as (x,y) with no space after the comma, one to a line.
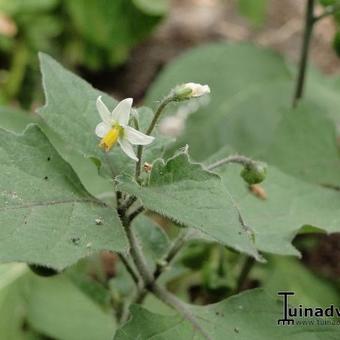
(189,90)
(197,90)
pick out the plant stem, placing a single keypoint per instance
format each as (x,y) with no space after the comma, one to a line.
(247,267)
(135,213)
(137,254)
(149,282)
(309,24)
(151,127)
(173,250)
(133,273)
(232,159)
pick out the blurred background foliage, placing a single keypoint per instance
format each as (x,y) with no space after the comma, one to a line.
(91,34)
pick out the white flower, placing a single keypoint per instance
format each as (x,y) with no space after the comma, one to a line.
(197,90)
(114,128)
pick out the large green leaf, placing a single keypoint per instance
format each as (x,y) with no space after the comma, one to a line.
(57,308)
(47,216)
(192,197)
(251,315)
(305,145)
(290,205)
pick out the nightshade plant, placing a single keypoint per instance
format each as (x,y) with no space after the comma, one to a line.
(73,185)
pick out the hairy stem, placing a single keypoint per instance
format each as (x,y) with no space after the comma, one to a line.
(149,282)
(137,254)
(245,161)
(309,24)
(148,132)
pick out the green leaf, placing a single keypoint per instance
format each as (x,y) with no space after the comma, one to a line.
(57,308)
(290,205)
(254,10)
(13,119)
(305,146)
(48,217)
(183,192)
(251,315)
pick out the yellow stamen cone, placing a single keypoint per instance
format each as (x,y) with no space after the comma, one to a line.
(110,139)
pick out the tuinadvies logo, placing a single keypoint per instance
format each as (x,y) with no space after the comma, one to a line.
(291,313)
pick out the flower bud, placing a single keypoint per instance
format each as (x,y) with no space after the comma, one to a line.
(254,173)
(190,90)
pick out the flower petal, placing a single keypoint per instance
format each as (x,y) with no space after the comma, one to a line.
(127,148)
(121,113)
(104,112)
(102,129)
(136,137)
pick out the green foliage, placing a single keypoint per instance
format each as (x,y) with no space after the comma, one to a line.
(63,199)
(62,27)
(192,197)
(255,10)
(290,204)
(48,217)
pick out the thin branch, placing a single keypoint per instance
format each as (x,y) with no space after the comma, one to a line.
(133,273)
(127,204)
(135,213)
(309,24)
(245,161)
(173,250)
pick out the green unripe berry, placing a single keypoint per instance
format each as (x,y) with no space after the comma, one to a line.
(42,271)
(254,173)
